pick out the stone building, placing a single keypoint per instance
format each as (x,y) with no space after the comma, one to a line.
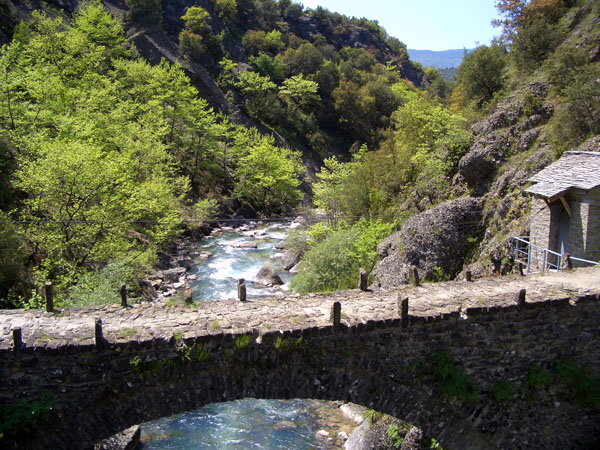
(566,209)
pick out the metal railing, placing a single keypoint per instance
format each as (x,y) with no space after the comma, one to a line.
(540,259)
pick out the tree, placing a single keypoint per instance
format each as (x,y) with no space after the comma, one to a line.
(196,20)
(481,73)
(145,10)
(268,177)
(300,92)
(226,9)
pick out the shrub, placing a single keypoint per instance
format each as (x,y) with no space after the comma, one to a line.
(579,116)
(503,391)
(451,380)
(538,378)
(100,287)
(19,418)
(334,260)
(581,380)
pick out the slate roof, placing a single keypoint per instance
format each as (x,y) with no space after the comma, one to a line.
(575,169)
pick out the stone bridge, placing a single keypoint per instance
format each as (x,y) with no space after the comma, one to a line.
(154,360)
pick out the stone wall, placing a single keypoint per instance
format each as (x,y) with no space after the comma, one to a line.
(380,364)
(592,237)
(584,226)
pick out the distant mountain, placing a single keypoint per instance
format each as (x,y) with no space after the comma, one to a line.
(445,59)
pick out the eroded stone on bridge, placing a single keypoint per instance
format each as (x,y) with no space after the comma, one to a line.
(154,320)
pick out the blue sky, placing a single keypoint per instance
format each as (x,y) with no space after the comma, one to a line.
(424,24)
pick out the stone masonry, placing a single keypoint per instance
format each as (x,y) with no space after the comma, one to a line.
(156,360)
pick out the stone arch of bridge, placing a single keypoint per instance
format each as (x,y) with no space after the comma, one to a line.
(178,381)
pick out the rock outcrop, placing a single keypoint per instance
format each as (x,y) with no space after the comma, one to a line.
(435,241)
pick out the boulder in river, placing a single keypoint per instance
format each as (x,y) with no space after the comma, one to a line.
(267,276)
(243,244)
(290,258)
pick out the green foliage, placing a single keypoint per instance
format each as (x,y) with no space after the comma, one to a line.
(206,209)
(12,264)
(534,43)
(196,20)
(300,92)
(394,434)
(257,41)
(296,241)
(538,378)
(435,445)
(579,115)
(481,74)
(267,66)
(503,390)
(372,416)
(268,177)
(452,380)
(581,380)
(104,147)
(20,418)
(226,9)
(280,343)
(100,287)
(144,10)
(334,262)
(243,341)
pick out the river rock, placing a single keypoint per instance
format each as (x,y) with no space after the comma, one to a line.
(267,276)
(173,275)
(295,269)
(285,425)
(164,260)
(290,258)
(243,245)
(204,255)
(280,245)
(128,439)
(187,264)
(148,290)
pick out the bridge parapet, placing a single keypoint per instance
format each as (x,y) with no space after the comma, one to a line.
(373,361)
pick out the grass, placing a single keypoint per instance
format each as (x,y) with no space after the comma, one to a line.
(243,341)
(127,332)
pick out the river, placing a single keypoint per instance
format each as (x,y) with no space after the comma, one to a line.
(247,423)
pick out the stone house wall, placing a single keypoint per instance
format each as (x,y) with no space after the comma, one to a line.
(584,226)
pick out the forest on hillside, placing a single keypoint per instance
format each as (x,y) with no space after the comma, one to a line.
(106,158)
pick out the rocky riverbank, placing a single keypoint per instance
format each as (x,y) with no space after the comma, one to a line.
(176,264)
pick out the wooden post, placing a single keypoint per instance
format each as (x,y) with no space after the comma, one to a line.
(336,314)
(362,280)
(521,269)
(521,298)
(17,341)
(404,312)
(49,296)
(468,275)
(98,338)
(123,291)
(242,290)
(413,276)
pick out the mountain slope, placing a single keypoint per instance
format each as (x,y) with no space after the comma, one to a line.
(444,59)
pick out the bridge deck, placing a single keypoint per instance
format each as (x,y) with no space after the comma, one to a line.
(147,320)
